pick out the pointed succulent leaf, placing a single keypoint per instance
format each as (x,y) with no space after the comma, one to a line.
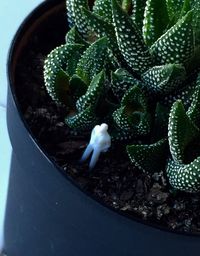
(194,109)
(177,44)
(62,89)
(132,116)
(138,7)
(164,79)
(123,120)
(196,21)
(192,66)
(93,60)
(121,82)
(132,122)
(130,40)
(80,21)
(65,58)
(102,28)
(181,132)
(174,8)
(135,123)
(160,126)
(85,119)
(185,8)
(155,20)
(97,24)
(77,87)
(94,92)
(103,8)
(184,94)
(149,158)
(118,134)
(70,13)
(185,177)
(73,37)
(135,98)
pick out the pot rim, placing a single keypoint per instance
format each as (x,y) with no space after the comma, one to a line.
(29,20)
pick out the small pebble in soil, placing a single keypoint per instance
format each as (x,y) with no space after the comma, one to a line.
(156,195)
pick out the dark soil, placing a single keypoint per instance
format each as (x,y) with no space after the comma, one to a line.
(114,180)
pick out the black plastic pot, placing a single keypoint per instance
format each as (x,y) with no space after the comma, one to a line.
(47,214)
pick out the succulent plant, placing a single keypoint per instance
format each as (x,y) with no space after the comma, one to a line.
(135,64)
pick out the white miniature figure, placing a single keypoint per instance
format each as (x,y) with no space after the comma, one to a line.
(100,141)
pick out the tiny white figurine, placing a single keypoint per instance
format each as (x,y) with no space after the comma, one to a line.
(100,141)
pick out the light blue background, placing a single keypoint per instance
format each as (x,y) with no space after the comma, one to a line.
(12,13)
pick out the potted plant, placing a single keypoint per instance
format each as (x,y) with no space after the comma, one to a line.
(133,66)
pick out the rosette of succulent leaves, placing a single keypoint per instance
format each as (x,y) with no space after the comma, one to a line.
(135,64)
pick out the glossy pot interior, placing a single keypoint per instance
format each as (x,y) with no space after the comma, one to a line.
(47,214)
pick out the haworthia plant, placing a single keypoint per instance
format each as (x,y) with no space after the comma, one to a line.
(185,177)
(181,131)
(155,20)
(177,44)
(135,65)
(145,156)
(130,41)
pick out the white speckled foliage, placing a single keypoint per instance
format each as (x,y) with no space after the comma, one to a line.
(135,65)
(181,131)
(145,156)
(155,20)
(185,177)
(138,12)
(77,17)
(130,41)
(87,66)
(164,79)
(177,44)
(64,57)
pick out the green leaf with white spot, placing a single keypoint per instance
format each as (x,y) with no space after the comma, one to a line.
(184,94)
(185,177)
(135,123)
(93,60)
(177,44)
(94,92)
(117,134)
(186,8)
(77,87)
(181,132)
(102,28)
(133,116)
(84,120)
(138,7)
(174,8)
(130,41)
(149,158)
(164,79)
(194,109)
(62,89)
(196,21)
(73,37)
(160,126)
(121,82)
(103,8)
(63,58)
(155,20)
(135,96)
(70,13)
(80,21)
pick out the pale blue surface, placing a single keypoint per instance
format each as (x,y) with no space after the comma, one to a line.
(12,13)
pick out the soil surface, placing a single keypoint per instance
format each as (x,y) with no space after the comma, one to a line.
(114,181)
